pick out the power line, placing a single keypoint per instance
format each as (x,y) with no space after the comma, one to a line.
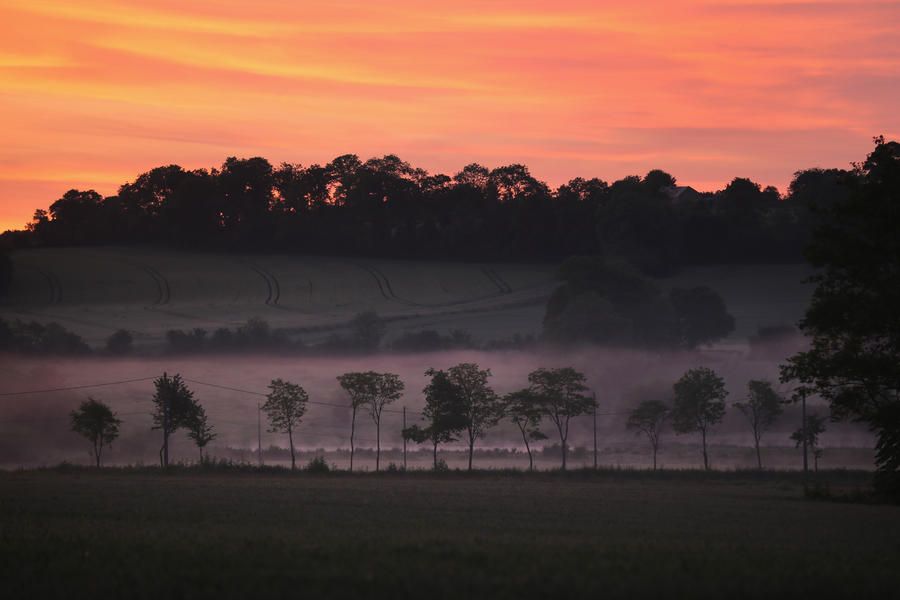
(75,387)
(319,402)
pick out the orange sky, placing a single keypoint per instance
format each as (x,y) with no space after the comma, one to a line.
(95,92)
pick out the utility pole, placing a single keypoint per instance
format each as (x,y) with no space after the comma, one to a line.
(803,429)
(594,396)
(404,437)
(258,434)
(166,399)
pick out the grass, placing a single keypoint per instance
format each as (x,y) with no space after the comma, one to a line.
(223,533)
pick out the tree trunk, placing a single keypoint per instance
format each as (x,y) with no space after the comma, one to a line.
(562,440)
(435,455)
(352,433)
(293,460)
(165,449)
(377,445)
(655,449)
(471,451)
(705,456)
(97,451)
(528,449)
(758,457)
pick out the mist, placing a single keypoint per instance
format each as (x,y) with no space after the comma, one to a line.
(35,427)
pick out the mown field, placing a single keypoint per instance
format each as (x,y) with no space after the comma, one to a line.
(95,291)
(190,534)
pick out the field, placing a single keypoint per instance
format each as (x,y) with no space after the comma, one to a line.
(190,534)
(95,291)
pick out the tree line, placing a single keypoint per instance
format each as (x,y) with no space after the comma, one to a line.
(461,406)
(387,207)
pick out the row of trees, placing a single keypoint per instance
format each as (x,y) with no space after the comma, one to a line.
(460,405)
(385,206)
(699,405)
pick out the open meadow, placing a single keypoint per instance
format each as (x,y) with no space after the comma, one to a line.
(611,534)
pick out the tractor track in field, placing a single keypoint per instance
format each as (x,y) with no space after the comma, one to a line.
(387,290)
(273,287)
(497,280)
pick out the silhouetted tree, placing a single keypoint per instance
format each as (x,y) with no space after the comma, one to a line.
(444,414)
(119,343)
(648,418)
(361,387)
(285,406)
(561,393)
(200,430)
(480,406)
(386,389)
(762,408)
(854,316)
(525,409)
(699,404)
(6,272)
(812,429)
(174,408)
(98,423)
(702,315)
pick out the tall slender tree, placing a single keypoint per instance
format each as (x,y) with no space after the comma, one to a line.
(443,413)
(173,409)
(200,430)
(98,423)
(361,388)
(648,418)
(285,406)
(481,407)
(525,410)
(762,408)
(388,389)
(562,394)
(699,404)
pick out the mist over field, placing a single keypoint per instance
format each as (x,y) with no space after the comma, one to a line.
(39,431)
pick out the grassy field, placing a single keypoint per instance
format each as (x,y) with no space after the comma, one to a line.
(190,534)
(95,291)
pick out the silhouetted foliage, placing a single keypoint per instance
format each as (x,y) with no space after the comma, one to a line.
(562,395)
(812,429)
(854,317)
(98,423)
(525,409)
(37,338)
(648,418)
(480,407)
(384,206)
(285,406)
(699,404)
(199,429)
(372,391)
(119,343)
(762,408)
(610,303)
(444,414)
(6,272)
(174,408)
(702,316)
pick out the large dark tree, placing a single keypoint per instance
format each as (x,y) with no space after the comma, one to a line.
(699,404)
(444,414)
(854,317)
(98,423)
(562,394)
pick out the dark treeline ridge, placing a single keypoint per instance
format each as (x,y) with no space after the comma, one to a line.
(386,207)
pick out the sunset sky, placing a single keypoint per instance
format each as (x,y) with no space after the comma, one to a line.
(94,92)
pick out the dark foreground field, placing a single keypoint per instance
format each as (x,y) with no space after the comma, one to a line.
(142,534)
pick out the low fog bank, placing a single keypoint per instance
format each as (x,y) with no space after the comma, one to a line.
(35,427)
